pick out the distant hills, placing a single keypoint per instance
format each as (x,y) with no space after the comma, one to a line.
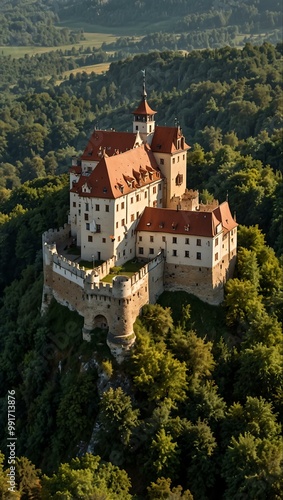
(183,14)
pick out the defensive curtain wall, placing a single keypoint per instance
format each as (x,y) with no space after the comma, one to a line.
(111,306)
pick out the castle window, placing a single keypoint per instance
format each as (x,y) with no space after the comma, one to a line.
(106,208)
(187,253)
(87,226)
(161,161)
(140,238)
(117,224)
(74,204)
(198,256)
(89,238)
(87,207)
(198,243)
(97,208)
(154,190)
(187,241)
(98,229)
(216,256)
(151,251)
(183,157)
(140,250)
(173,161)
(122,222)
(145,194)
(103,240)
(138,197)
(216,242)
(151,239)
(174,253)
(178,159)
(86,216)
(174,240)
(132,217)
(179,179)
(79,212)
(132,200)
(163,238)
(117,208)
(137,128)
(122,205)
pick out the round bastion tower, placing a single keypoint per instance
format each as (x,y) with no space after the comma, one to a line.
(121,336)
(112,307)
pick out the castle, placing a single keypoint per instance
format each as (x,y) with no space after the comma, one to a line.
(128,200)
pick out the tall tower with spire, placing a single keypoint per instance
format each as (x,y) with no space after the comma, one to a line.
(144,122)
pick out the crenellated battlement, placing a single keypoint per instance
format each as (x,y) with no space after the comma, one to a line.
(56,235)
(115,304)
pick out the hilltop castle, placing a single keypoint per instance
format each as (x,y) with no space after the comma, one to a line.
(128,200)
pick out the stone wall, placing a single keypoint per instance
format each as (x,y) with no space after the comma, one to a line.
(195,280)
(116,305)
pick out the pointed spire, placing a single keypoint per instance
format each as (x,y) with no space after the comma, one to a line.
(144,94)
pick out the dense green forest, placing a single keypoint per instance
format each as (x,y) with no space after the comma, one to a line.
(26,22)
(196,410)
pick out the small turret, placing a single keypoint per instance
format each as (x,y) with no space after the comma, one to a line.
(144,122)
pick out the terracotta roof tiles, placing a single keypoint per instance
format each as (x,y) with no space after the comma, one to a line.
(194,223)
(109,142)
(144,109)
(165,140)
(114,176)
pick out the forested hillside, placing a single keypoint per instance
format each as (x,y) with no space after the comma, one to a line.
(196,411)
(183,14)
(32,22)
(169,24)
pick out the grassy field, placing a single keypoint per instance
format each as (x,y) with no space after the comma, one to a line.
(128,269)
(94,68)
(91,40)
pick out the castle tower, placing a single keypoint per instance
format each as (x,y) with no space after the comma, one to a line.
(170,151)
(144,122)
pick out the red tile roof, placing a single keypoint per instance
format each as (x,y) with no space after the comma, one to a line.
(144,109)
(165,140)
(76,169)
(115,176)
(108,142)
(163,220)
(224,215)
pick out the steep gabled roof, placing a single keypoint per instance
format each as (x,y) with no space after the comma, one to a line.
(109,142)
(224,215)
(114,176)
(165,140)
(163,220)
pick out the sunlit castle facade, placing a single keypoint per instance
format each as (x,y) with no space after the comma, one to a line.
(120,174)
(129,201)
